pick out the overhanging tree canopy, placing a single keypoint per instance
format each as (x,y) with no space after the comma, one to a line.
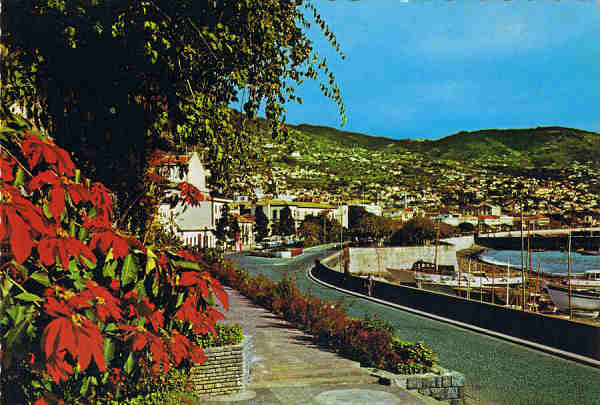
(110,79)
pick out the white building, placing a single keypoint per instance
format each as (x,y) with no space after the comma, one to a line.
(194,225)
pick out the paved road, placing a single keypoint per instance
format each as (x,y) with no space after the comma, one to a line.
(497,371)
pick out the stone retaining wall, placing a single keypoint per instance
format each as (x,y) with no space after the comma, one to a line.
(226,371)
(441,384)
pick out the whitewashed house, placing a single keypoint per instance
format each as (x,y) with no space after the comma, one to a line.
(194,225)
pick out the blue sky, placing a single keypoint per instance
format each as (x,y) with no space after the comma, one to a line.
(428,69)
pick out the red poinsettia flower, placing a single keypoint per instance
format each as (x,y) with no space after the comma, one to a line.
(120,244)
(7,164)
(57,158)
(104,302)
(65,247)
(101,198)
(97,223)
(19,220)
(148,310)
(77,192)
(115,285)
(142,338)
(73,333)
(190,194)
(181,348)
(203,281)
(57,191)
(202,320)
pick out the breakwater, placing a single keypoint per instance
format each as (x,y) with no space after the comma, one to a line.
(512,241)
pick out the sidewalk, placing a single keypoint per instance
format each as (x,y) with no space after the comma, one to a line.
(290,370)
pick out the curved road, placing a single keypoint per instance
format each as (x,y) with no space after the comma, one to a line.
(497,372)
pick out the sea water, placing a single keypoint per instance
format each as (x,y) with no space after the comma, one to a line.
(549,261)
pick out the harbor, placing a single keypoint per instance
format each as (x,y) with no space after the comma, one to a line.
(497,371)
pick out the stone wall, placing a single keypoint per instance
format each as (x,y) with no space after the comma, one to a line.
(441,384)
(372,260)
(226,371)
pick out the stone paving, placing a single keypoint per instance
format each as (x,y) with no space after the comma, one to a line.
(288,369)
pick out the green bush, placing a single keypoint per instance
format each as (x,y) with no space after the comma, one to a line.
(416,357)
(226,335)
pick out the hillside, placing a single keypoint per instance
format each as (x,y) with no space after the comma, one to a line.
(535,147)
(490,164)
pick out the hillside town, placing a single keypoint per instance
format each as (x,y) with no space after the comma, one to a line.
(397,185)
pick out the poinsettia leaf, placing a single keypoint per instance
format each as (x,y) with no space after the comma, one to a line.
(20,239)
(186,265)
(219,291)
(155,286)
(109,350)
(150,262)
(80,284)
(111,327)
(15,334)
(108,270)
(46,210)
(83,233)
(29,297)
(130,363)
(128,271)
(17,313)
(84,386)
(88,263)
(73,265)
(72,226)
(141,289)
(179,300)
(19,177)
(41,278)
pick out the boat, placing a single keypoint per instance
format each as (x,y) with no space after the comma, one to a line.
(591,279)
(474,279)
(581,300)
(590,252)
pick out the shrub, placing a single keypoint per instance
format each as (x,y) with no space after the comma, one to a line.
(416,357)
(226,335)
(88,312)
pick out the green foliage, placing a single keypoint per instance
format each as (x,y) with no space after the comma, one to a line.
(416,357)
(226,335)
(175,68)
(261,223)
(373,226)
(415,232)
(226,226)
(287,225)
(319,229)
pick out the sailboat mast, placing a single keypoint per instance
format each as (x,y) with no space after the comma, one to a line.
(522,260)
(437,239)
(569,274)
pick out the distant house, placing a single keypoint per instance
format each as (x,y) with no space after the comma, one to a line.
(299,210)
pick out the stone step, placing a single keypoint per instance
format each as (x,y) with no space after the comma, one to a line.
(289,380)
(306,371)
